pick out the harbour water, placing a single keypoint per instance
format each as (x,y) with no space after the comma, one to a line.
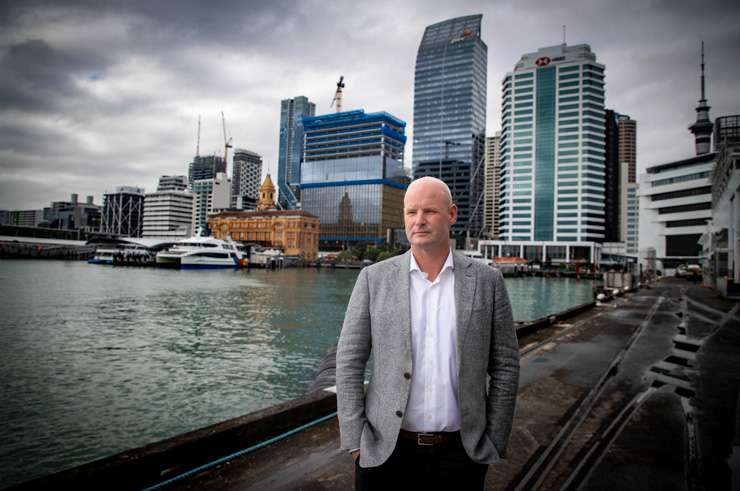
(96,359)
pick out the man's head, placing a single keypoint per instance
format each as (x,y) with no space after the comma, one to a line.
(428,214)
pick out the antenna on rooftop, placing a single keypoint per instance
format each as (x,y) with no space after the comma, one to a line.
(703,97)
(563,33)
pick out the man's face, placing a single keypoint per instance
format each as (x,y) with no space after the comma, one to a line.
(428,215)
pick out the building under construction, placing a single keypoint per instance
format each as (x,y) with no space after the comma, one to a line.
(206,167)
(352,176)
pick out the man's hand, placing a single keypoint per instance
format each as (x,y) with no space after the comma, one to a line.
(355,455)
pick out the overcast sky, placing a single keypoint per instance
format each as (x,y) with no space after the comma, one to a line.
(97,94)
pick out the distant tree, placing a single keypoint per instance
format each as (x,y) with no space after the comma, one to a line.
(385,255)
(372,253)
(344,257)
(359,251)
(389,253)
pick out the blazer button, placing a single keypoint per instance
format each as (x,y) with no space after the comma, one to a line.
(407,375)
(399,413)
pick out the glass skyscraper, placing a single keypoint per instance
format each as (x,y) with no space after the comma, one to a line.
(292,112)
(450,113)
(552,147)
(352,177)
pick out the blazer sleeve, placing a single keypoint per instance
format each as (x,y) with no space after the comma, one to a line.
(353,352)
(503,368)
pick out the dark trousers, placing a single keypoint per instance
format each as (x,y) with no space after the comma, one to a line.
(412,466)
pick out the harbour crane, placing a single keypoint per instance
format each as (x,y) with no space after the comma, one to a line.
(227,143)
(338,94)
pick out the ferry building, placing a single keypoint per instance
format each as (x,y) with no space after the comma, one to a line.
(296,232)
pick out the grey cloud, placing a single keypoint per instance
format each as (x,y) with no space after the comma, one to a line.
(38,77)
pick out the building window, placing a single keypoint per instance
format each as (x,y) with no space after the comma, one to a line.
(688,177)
(683,245)
(686,223)
(683,208)
(682,194)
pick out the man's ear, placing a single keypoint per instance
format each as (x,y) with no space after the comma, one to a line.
(453,214)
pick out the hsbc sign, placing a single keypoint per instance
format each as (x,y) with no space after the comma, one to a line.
(543,61)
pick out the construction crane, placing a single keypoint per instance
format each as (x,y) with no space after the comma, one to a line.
(227,143)
(338,94)
(197,143)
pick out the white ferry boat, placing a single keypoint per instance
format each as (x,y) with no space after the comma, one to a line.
(120,254)
(202,253)
(103,256)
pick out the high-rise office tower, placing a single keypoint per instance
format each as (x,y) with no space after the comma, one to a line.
(205,168)
(552,156)
(627,128)
(628,147)
(450,114)
(612,178)
(245,179)
(290,156)
(168,211)
(492,185)
(123,211)
(620,166)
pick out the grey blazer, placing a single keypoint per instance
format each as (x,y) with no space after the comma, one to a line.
(378,318)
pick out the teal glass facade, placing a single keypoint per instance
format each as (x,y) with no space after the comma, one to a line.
(544,200)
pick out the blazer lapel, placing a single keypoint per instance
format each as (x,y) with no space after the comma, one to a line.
(464,294)
(402,309)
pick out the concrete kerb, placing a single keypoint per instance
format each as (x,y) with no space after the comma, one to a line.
(157,462)
(528,328)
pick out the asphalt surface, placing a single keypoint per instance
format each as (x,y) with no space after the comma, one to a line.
(639,394)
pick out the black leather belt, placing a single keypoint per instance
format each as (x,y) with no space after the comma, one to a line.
(429,439)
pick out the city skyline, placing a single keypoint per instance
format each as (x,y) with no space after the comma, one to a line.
(117,103)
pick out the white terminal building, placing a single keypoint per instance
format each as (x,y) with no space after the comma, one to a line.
(675,206)
(552,158)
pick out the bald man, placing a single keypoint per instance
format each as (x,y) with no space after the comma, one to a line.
(445,369)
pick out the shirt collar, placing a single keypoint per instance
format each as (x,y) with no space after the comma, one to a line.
(414,266)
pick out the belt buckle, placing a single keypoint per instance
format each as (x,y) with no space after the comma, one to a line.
(421,436)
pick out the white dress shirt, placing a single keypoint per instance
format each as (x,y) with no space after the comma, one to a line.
(432,404)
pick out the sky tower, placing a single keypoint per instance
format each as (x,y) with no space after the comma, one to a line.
(702,128)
